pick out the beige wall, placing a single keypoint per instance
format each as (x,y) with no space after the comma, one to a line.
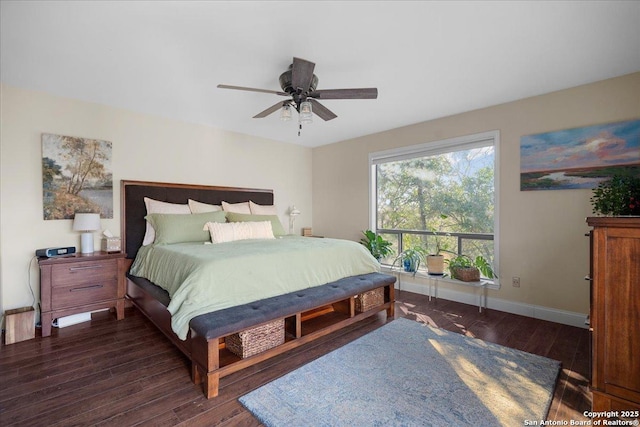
(144,148)
(541,233)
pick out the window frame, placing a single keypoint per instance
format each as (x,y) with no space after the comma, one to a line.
(466,142)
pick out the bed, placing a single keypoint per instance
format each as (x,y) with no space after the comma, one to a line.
(306,313)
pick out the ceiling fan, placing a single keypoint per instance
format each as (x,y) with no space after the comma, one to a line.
(299,84)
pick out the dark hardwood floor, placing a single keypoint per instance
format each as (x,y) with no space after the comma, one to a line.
(120,373)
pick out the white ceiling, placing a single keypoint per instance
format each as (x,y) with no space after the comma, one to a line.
(427,59)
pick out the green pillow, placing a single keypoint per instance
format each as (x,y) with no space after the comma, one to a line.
(180,228)
(276,226)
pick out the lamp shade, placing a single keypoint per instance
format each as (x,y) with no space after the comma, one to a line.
(285,113)
(306,112)
(294,211)
(86,222)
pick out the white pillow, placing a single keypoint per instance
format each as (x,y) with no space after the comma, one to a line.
(262,209)
(199,207)
(232,231)
(242,208)
(156,206)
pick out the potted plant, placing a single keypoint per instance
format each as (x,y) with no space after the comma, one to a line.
(618,196)
(411,259)
(435,260)
(466,269)
(376,244)
(435,264)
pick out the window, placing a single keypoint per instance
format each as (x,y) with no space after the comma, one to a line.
(438,195)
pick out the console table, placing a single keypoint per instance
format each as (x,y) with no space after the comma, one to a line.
(433,281)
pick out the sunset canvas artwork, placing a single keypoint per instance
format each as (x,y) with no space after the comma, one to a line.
(580,157)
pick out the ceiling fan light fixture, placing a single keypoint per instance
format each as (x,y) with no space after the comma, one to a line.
(306,113)
(285,113)
(299,84)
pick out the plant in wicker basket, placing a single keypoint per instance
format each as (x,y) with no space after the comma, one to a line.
(466,269)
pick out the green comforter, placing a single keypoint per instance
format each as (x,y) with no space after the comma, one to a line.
(202,278)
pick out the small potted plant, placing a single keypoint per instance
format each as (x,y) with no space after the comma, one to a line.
(376,244)
(617,196)
(435,260)
(435,264)
(411,259)
(466,269)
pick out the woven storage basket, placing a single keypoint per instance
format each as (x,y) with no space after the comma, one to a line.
(369,300)
(466,274)
(256,340)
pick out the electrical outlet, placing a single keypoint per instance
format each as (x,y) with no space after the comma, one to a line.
(515,281)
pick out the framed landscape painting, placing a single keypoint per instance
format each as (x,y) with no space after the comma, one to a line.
(76,177)
(580,157)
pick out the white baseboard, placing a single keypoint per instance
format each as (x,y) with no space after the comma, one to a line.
(535,311)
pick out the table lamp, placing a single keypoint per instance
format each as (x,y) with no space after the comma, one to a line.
(87,223)
(293,213)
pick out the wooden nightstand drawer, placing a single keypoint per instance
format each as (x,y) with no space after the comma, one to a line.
(84,293)
(84,272)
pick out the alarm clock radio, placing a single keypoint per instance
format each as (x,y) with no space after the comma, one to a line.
(51,252)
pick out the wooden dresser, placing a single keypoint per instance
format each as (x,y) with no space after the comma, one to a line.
(615,313)
(81,283)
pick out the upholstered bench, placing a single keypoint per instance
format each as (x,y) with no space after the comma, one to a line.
(236,319)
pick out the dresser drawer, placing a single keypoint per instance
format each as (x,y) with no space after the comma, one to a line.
(84,273)
(84,293)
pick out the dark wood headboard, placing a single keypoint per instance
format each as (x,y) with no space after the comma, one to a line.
(133,210)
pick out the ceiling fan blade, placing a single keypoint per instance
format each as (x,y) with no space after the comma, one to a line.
(272,109)
(250,89)
(362,93)
(323,112)
(301,74)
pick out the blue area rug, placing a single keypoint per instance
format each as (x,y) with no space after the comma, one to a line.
(409,374)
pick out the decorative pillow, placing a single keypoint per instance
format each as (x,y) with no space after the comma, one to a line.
(242,208)
(199,207)
(179,228)
(276,226)
(262,209)
(233,231)
(156,206)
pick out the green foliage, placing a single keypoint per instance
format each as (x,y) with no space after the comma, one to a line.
(50,171)
(441,242)
(618,196)
(85,159)
(440,194)
(411,258)
(484,266)
(463,261)
(376,244)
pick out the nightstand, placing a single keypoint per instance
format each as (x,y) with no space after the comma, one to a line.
(81,283)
